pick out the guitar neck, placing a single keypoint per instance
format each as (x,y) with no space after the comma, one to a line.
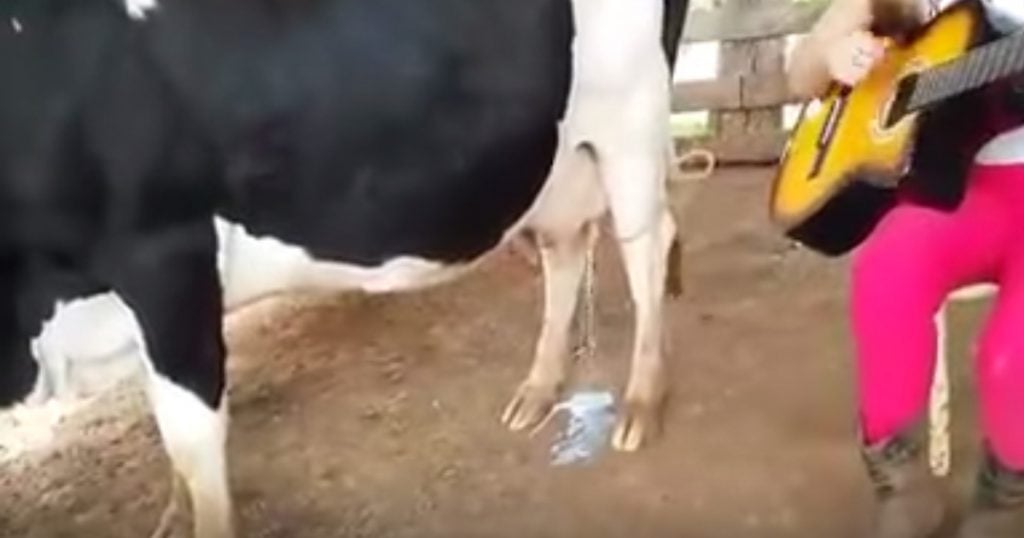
(980,66)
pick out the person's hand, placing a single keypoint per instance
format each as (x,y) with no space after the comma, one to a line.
(850,59)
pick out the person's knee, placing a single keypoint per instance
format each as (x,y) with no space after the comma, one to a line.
(1000,361)
(1001,367)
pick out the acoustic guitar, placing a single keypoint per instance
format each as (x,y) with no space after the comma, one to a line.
(851,149)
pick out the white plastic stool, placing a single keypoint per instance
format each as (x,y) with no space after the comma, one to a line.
(939,450)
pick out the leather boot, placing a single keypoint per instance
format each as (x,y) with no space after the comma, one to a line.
(997,509)
(909,502)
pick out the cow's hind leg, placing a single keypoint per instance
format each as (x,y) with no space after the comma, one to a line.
(564,225)
(645,231)
(169,281)
(563,260)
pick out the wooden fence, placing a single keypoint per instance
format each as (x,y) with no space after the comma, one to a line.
(746,99)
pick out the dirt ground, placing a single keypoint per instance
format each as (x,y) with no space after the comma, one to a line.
(358,416)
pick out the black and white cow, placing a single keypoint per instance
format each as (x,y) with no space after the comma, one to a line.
(346,144)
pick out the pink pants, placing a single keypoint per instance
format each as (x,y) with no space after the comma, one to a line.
(901,276)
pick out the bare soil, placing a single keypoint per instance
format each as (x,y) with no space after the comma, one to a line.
(378,416)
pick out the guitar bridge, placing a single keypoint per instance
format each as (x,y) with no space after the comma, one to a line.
(829,130)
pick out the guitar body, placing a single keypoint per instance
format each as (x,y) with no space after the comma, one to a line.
(839,173)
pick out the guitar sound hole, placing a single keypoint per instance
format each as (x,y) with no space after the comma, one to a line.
(897,107)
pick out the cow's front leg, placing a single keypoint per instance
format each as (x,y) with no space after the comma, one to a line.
(563,257)
(21,379)
(169,281)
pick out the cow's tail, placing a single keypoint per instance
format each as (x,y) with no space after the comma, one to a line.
(673,21)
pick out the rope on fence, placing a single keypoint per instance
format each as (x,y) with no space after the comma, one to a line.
(679,175)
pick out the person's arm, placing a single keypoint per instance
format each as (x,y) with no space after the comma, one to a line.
(838,47)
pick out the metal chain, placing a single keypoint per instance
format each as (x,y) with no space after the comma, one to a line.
(586,319)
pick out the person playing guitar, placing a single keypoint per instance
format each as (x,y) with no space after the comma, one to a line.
(919,252)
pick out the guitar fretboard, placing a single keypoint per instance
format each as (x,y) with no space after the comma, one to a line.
(975,69)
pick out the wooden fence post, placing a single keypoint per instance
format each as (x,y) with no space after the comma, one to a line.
(746,98)
(746,59)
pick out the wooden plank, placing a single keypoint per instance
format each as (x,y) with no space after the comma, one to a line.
(747,96)
(767,18)
(717,94)
(733,92)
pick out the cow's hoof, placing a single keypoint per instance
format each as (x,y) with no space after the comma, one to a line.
(530,406)
(173,524)
(174,521)
(639,423)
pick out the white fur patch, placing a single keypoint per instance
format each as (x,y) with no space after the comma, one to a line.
(91,343)
(253,268)
(86,347)
(16,25)
(137,9)
(194,434)
(195,438)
